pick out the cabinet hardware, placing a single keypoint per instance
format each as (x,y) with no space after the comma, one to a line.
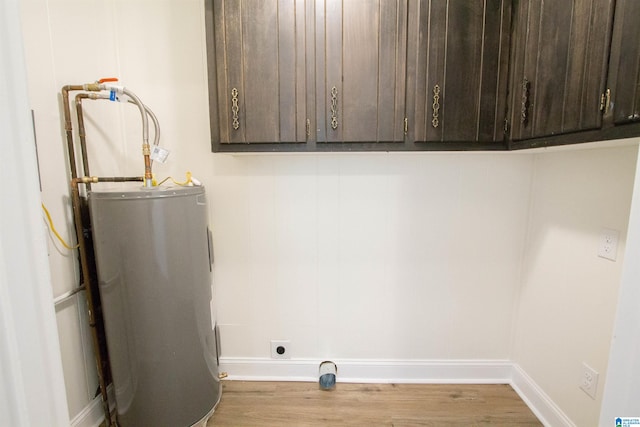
(525,102)
(234,108)
(308,128)
(605,101)
(334,108)
(406,125)
(436,106)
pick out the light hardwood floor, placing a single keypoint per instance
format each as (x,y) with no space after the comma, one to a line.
(303,404)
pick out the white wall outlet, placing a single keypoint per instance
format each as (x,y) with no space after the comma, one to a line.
(589,380)
(280,349)
(608,244)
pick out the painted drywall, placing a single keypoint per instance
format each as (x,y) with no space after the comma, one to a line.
(378,256)
(621,393)
(569,295)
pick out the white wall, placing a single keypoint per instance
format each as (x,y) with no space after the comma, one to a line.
(354,256)
(369,256)
(621,393)
(569,294)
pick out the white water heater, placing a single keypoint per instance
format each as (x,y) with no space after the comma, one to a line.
(153,254)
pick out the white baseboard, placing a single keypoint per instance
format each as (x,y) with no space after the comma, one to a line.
(93,415)
(537,400)
(371,371)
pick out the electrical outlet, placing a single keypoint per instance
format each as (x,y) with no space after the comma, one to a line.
(608,245)
(589,380)
(280,349)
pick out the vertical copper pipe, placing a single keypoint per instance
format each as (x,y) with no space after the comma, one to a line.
(68,127)
(86,272)
(83,135)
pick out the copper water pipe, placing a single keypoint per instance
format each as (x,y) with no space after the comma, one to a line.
(86,272)
(68,127)
(82,133)
(93,87)
(82,249)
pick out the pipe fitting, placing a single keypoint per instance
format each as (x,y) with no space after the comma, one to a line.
(93,87)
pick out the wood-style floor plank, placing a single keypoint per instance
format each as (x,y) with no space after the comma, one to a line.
(304,404)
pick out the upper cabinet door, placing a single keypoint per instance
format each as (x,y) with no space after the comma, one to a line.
(624,74)
(360,67)
(260,68)
(559,64)
(457,70)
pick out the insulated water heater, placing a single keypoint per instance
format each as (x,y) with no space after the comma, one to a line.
(154,260)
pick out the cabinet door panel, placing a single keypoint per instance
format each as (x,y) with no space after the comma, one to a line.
(624,80)
(559,66)
(494,76)
(258,58)
(460,104)
(392,69)
(360,70)
(362,95)
(457,62)
(259,76)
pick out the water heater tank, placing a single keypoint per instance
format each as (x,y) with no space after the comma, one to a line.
(153,254)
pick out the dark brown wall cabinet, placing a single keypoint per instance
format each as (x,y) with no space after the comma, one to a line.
(328,74)
(325,75)
(294,71)
(560,53)
(457,70)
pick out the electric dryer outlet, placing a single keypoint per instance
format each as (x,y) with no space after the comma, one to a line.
(280,349)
